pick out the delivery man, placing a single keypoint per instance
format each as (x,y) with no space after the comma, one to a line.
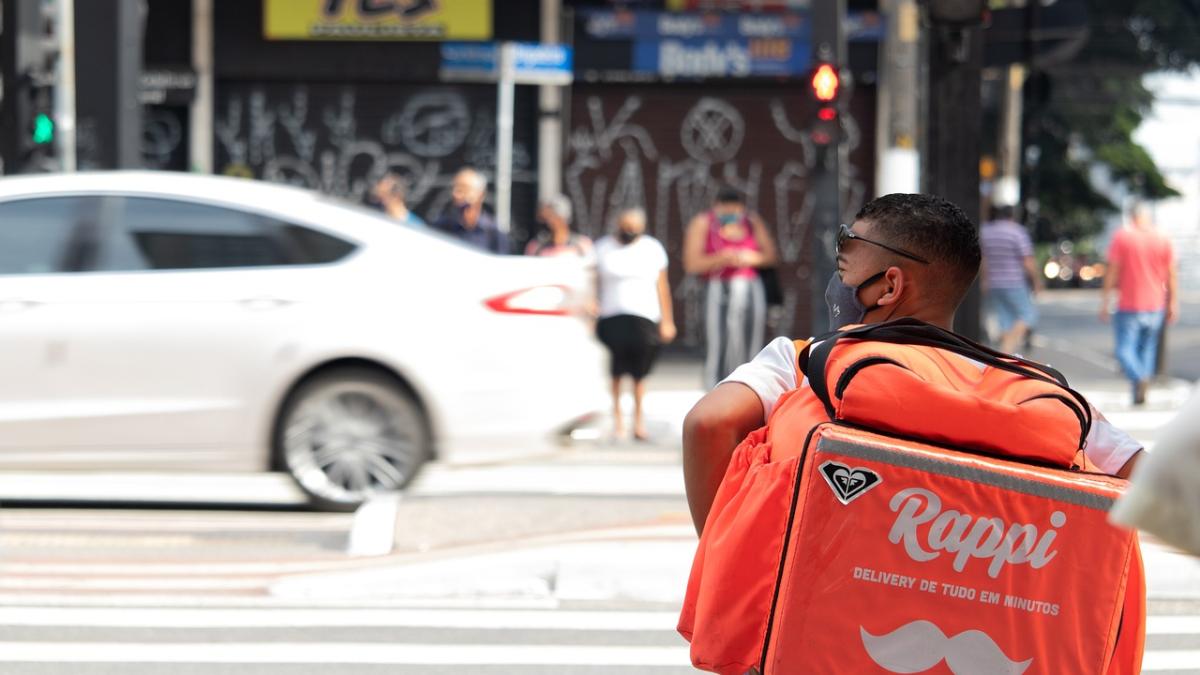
(906,255)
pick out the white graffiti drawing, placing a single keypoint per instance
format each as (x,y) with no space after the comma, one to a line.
(280,137)
(431,125)
(341,120)
(602,135)
(293,120)
(162,133)
(712,131)
(228,130)
(262,129)
(791,133)
(793,210)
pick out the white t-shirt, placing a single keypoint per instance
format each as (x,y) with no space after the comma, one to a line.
(629,276)
(773,372)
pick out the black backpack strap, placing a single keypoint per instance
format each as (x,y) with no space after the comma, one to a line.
(814,360)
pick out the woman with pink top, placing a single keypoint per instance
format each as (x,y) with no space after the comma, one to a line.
(726,245)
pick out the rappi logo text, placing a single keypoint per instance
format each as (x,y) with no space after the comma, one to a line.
(926,531)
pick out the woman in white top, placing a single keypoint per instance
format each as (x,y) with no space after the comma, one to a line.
(634,308)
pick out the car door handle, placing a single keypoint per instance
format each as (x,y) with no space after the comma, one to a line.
(10,305)
(264,303)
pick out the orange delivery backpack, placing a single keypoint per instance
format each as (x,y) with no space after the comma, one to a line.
(913,511)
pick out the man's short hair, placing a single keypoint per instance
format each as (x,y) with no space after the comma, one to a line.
(635,212)
(1002,212)
(475,176)
(561,206)
(728,195)
(934,229)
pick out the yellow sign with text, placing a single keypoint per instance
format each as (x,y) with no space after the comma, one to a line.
(377,19)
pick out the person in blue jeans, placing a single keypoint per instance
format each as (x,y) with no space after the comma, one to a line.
(1141,266)
(1009,277)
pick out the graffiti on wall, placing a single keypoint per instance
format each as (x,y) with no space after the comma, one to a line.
(670,152)
(342,139)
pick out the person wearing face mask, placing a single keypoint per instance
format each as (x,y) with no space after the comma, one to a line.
(467,219)
(726,245)
(905,256)
(634,309)
(558,239)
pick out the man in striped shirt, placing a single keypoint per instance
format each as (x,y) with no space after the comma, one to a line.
(1009,276)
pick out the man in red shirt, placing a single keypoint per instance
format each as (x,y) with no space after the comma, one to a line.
(1141,266)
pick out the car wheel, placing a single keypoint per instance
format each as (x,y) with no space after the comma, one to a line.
(351,434)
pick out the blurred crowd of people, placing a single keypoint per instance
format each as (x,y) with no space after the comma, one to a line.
(727,245)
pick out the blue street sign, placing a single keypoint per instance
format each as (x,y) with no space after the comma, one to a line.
(533,63)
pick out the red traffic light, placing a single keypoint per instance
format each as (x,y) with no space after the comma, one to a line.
(825,83)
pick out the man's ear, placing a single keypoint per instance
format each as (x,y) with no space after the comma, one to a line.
(895,283)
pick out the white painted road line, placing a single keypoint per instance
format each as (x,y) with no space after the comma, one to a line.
(1182,659)
(340,653)
(636,621)
(175,584)
(554,479)
(374,530)
(1173,625)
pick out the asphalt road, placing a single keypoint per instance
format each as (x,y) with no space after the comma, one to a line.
(571,561)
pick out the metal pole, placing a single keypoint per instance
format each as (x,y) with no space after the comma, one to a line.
(550,112)
(824,181)
(951,167)
(200,143)
(64,91)
(504,135)
(898,166)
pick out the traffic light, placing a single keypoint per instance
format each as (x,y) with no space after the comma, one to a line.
(826,84)
(29,64)
(43,129)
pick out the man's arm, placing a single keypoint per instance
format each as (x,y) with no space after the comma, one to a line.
(711,431)
(1173,291)
(1127,469)
(1035,279)
(666,327)
(1111,272)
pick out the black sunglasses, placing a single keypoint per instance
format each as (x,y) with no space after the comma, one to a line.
(845,234)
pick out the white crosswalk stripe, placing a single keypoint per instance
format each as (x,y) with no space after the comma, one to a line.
(223,638)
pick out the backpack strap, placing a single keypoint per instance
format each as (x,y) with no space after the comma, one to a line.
(814,360)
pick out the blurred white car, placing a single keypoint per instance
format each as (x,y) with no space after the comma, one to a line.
(158,321)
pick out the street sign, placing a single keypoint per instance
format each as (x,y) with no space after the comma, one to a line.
(507,64)
(532,63)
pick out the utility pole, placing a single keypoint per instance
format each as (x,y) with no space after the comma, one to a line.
(108,76)
(550,115)
(64,91)
(953,122)
(829,61)
(898,161)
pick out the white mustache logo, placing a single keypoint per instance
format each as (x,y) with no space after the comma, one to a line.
(918,646)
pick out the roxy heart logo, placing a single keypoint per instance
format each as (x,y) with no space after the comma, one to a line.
(848,484)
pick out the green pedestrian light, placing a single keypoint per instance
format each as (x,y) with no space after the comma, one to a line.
(43,129)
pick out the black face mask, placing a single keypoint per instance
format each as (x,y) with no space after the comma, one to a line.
(842,299)
(626,237)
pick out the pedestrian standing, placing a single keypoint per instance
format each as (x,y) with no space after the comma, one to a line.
(392,194)
(727,245)
(557,239)
(1141,267)
(1010,278)
(467,219)
(635,315)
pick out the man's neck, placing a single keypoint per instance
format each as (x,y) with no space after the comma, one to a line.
(934,317)
(470,216)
